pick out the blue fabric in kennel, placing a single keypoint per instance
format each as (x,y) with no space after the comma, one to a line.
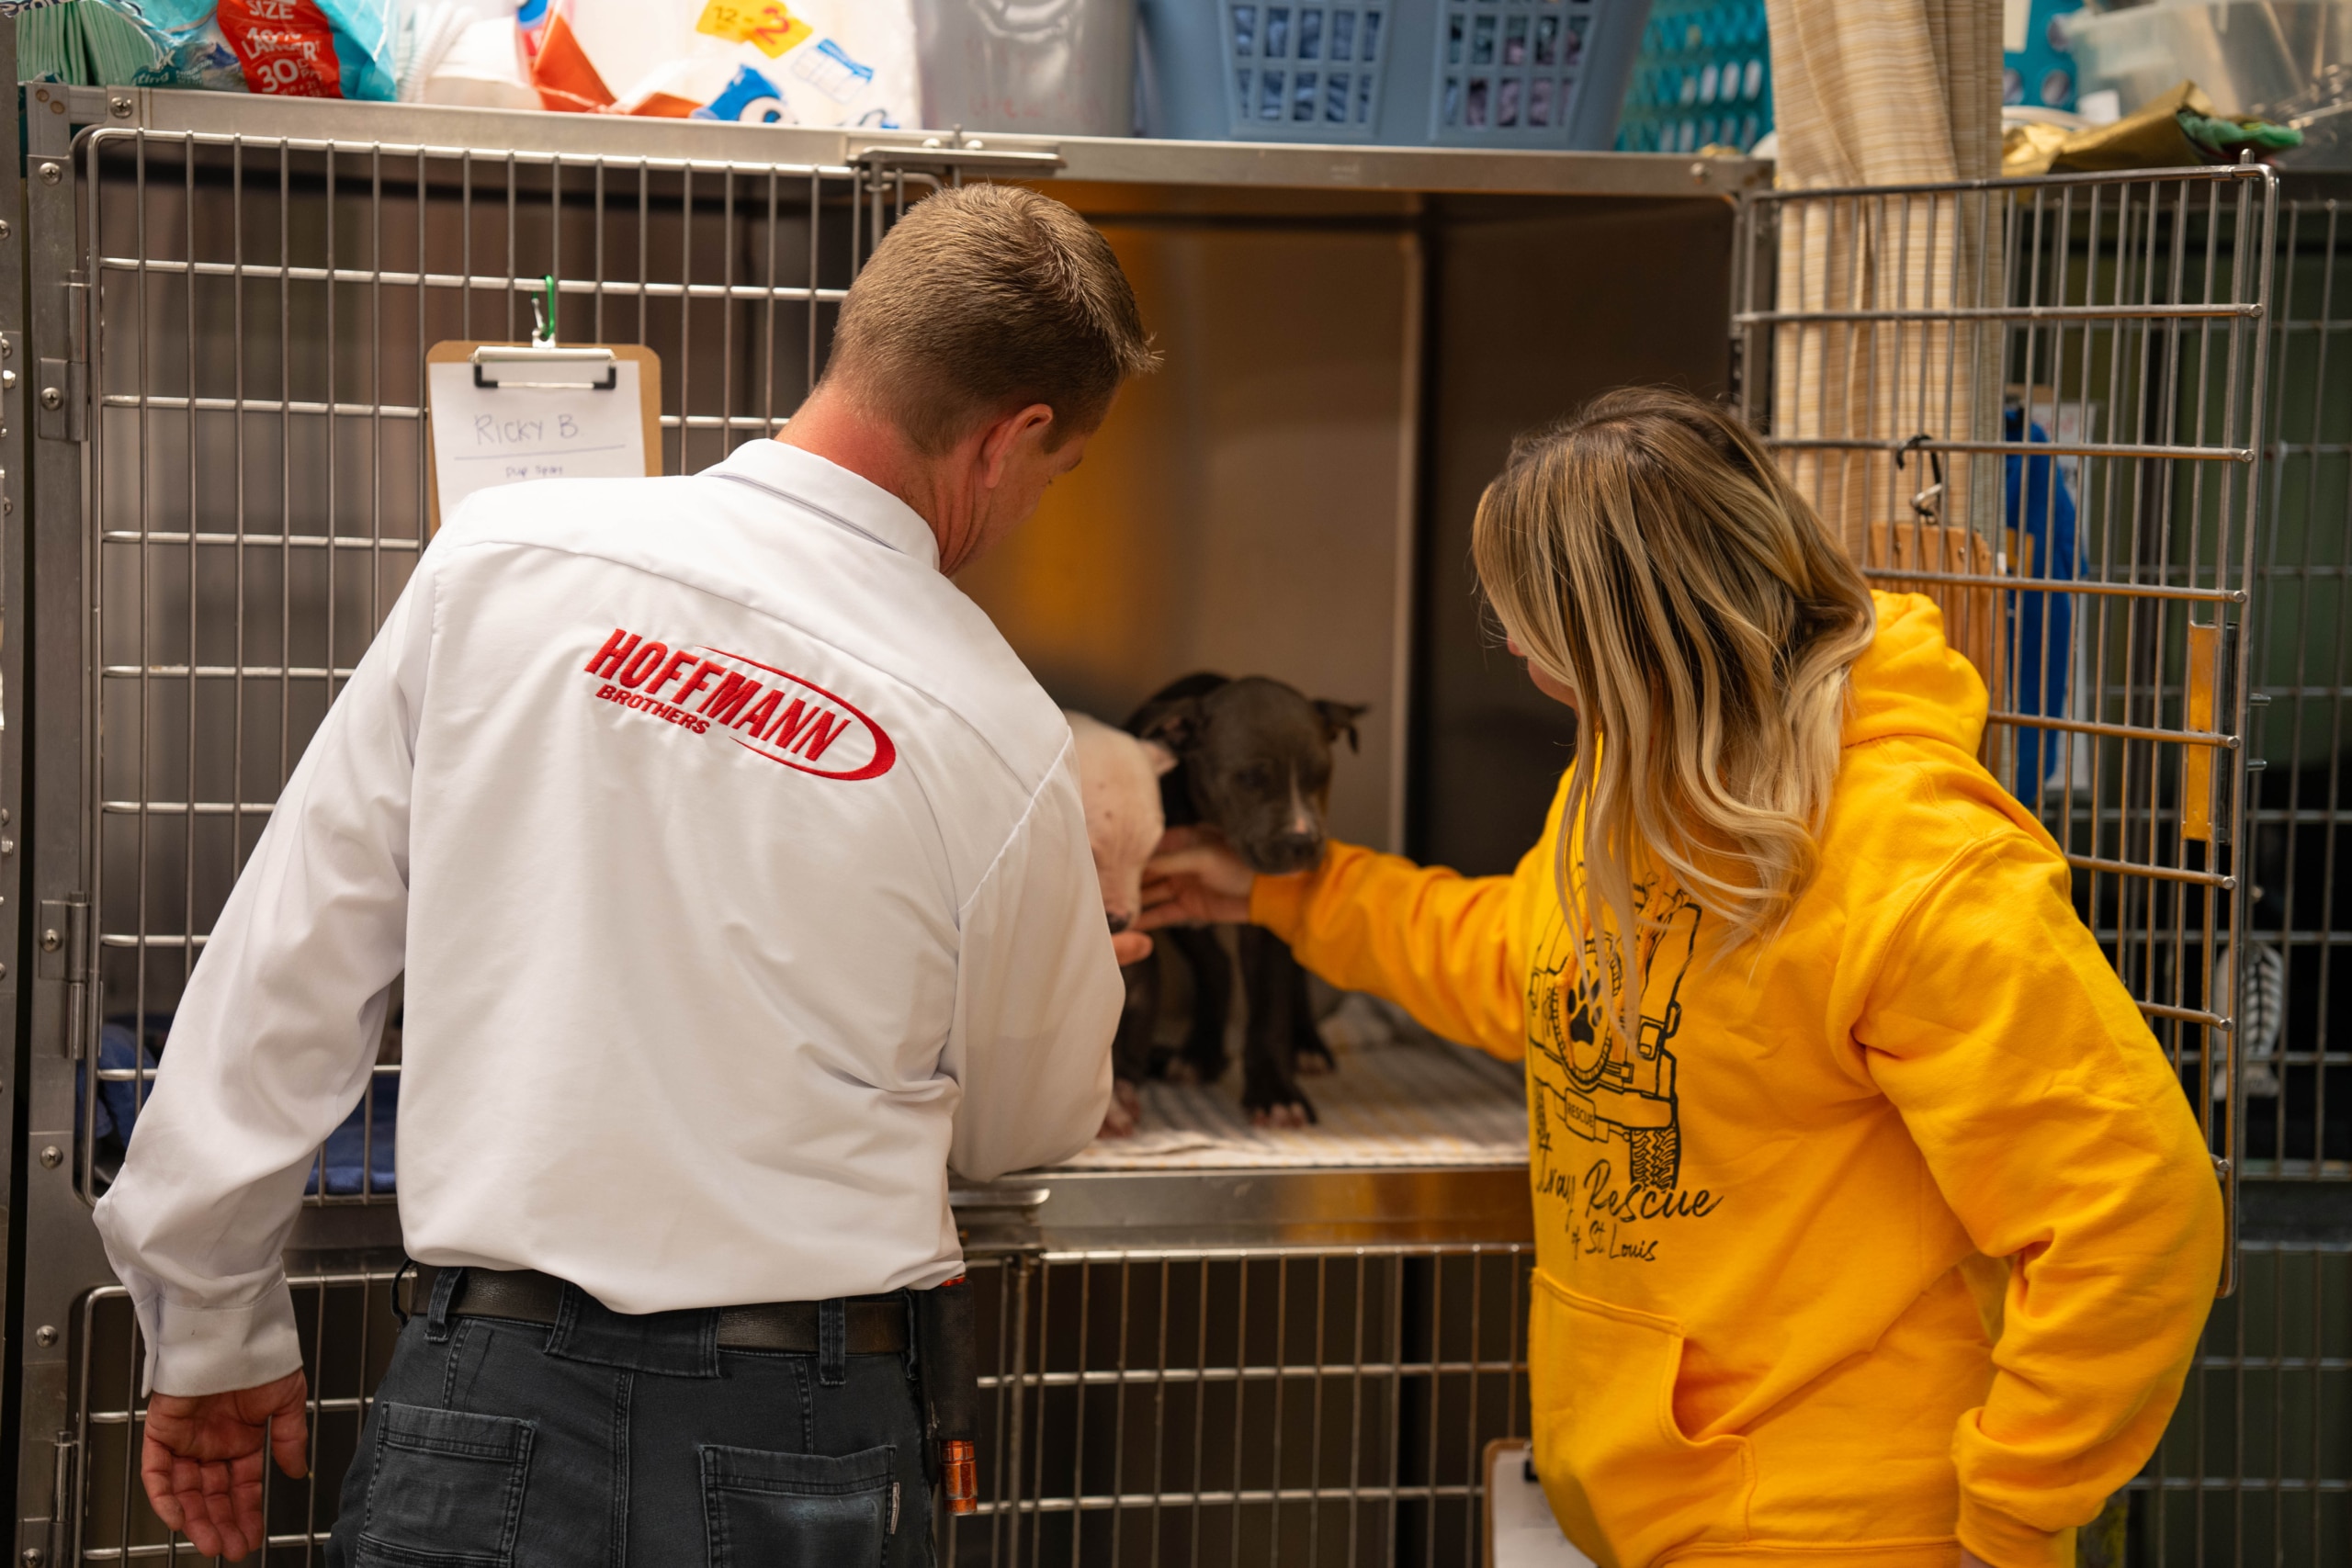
(2041,508)
(351,1151)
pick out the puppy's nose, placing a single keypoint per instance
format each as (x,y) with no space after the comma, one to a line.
(1295,850)
(1120,921)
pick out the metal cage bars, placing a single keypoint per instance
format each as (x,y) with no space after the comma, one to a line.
(2039,402)
(2256,1465)
(256,313)
(2297,1055)
(1218,1407)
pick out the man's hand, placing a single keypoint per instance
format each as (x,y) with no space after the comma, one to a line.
(1130,947)
(1194,879)
(202,1460)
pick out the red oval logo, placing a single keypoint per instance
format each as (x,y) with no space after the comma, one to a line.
(808,729)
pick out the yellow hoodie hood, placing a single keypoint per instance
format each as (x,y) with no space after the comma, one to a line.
(1910,681)
(1777,1233)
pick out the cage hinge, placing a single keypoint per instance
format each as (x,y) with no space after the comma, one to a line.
(58,400)
(61,386)
(63,1507)
(64,942)
(62,951)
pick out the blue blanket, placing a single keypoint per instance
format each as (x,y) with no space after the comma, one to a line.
(351,1153)
(2040,508)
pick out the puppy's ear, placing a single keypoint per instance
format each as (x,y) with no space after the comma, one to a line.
(1340,718)
(1176,726)
(1164,760)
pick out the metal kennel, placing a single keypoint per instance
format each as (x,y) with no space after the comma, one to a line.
(229,304)
(2180,541)
(1904,354)
(217,374)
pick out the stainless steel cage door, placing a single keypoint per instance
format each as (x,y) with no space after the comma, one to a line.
(2039,402)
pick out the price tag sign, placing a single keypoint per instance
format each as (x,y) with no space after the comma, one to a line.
(764,24)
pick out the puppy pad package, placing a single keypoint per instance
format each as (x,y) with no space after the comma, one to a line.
(826,63)
(315,49)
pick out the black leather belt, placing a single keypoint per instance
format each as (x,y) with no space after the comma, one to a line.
(876,1326)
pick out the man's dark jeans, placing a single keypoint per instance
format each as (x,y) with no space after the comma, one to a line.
(610,1440)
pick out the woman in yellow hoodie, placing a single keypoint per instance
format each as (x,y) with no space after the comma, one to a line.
(1871,1224)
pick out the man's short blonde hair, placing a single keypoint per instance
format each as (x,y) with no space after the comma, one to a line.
(982,300)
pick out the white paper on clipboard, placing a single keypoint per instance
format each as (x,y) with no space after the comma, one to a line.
(491,428)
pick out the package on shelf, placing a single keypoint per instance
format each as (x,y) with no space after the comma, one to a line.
(823,62)
(316,48)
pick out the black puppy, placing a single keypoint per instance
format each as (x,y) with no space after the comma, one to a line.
(1254,762)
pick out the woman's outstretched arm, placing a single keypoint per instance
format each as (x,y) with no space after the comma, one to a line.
(1445,947)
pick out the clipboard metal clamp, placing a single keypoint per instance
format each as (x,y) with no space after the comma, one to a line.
(569,370)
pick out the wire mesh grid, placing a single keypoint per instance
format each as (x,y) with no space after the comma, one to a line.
(2039,402)
(1217,1407)
(258,313)
(1232,1407)
(2256,1467)
(2296,1053)
(347,1328)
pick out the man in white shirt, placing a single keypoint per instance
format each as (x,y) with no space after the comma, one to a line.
(737,872)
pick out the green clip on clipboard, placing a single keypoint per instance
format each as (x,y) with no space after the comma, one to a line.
(502,412)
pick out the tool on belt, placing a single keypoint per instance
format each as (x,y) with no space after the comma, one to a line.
(947,1360)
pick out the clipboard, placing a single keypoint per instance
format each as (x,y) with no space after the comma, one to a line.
(535,410)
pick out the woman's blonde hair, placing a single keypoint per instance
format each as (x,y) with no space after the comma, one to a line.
(1649,556)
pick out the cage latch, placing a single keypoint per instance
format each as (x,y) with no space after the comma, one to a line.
(969,156)
(1929,500)
(2209,707)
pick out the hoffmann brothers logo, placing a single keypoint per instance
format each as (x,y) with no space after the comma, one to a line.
(760,708)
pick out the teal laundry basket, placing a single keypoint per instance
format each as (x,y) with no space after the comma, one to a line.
(1529,73)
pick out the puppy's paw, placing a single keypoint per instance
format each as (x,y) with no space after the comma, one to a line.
(1285,1117)
(1313,1060)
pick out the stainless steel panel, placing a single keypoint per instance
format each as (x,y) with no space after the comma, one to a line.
(1125,160)
(234,504)
(1249,508)
(1535,307)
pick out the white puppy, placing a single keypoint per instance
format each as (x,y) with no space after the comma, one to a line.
(1118,779)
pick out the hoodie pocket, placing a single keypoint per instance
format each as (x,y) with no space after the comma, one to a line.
(1626,1482)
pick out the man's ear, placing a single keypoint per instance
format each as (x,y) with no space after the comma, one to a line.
(1340,718)
(1164,760)
(1175,726)
(1001,440)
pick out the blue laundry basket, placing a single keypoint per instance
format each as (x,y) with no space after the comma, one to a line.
(1529,73)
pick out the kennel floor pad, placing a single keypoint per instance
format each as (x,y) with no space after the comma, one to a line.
(1400,1102)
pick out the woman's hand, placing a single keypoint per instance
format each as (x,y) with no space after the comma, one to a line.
(1193,879)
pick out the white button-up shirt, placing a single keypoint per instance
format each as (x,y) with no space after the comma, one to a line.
(739,874)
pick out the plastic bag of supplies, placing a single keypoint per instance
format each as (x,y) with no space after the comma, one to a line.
(823,62)
(314,48)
